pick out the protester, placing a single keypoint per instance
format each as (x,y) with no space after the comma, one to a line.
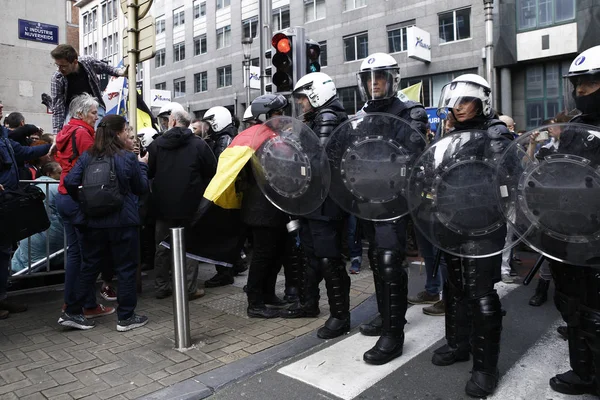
(115,230)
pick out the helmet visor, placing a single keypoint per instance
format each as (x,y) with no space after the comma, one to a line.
(377,84)
(300,105)
(464,98)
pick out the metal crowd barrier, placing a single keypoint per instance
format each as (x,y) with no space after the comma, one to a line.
(36,268)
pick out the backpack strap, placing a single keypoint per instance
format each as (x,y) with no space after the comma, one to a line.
(74,147)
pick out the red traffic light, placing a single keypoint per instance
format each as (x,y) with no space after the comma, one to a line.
(281,43)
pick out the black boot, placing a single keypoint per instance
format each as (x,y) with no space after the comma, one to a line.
(580,380)
(262,311)
(487,327)
(373,327)
(223,277)
(394,284)
(457,329)
(300,310)
(337,283)
(292,268)
(541,293)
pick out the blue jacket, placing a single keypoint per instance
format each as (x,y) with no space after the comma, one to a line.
(133,182)
(12,153)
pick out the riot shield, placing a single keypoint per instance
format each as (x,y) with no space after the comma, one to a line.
(453,195)
(551,192)
(371,157)
(290,165)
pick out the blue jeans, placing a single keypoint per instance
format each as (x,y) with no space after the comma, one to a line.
(67,207)
(354,241)
(5,249)
(433,285)
(123,245)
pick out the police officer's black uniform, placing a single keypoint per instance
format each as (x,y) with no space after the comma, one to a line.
(320,235)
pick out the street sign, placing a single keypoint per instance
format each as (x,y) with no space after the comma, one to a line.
(143,7)
(146,44)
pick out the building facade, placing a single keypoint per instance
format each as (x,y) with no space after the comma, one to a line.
(200,58)
(29,33)
(536,42)
(101,36)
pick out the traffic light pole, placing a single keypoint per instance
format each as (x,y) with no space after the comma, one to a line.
(265,11)
(132,22)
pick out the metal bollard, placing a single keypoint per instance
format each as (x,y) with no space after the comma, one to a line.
(181,311)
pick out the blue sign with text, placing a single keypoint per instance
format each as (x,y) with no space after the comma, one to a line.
(434,120)
(38,32)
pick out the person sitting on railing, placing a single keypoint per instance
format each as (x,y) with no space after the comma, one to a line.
(37,243)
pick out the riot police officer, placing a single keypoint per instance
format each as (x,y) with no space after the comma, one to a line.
(317,104)
(165,111)
(473,309)
(577,294)
(379,80)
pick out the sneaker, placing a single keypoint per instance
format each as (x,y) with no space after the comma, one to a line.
(424,298)
(437,309)
(99,311)
(135,321)
(196,295)
(108,293)
(354,267)
(507,278)
(77,321)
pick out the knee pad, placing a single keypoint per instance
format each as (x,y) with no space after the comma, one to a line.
(390,265)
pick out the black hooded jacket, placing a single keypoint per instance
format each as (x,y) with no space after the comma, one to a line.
(220,140)
(181,166)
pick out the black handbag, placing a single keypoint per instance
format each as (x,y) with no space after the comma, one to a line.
(22,213)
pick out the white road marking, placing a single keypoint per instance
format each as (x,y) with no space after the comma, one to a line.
(340,369)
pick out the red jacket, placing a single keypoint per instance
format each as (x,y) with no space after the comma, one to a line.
(84,139)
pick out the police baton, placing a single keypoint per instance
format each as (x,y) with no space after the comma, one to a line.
(534,269)
(436,263)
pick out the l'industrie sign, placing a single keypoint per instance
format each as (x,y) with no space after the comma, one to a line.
(38,32)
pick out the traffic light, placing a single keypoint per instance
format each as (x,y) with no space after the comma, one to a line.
(283,61)
(313,52)
(289,58)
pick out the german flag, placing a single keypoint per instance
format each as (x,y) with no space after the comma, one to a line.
(217,234)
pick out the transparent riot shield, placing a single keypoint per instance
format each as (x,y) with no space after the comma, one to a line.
(551,192)
(371,157)
(453,195)
(290,165)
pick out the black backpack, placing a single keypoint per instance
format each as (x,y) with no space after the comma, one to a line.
(99,194)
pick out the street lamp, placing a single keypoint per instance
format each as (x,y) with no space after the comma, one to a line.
(488,7)
(246,47)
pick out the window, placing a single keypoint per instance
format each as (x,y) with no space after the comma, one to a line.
(179,51)
(281,18)
(116,40)
(94,18)
(539,13)
(201,82)
(352,4)
(200,45)
(323,55)
(104,47)
(179,87)
(350,99)
(455,25)
(224,37)
(160,24)
(95,51)
(397,37)
(178,17)
(104,15)
(356,47)
(110,45)
(115,7)
(314,10)
(86,18)
(199,9)
(161,86)
(159,58)
(109,11)
(543,92)
(224,76)
(250,27)
(223,4)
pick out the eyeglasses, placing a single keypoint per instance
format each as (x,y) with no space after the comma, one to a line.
(62,66)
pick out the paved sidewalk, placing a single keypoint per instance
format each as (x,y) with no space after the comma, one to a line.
(41,360)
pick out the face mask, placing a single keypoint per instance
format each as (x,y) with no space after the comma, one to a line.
(589,104)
